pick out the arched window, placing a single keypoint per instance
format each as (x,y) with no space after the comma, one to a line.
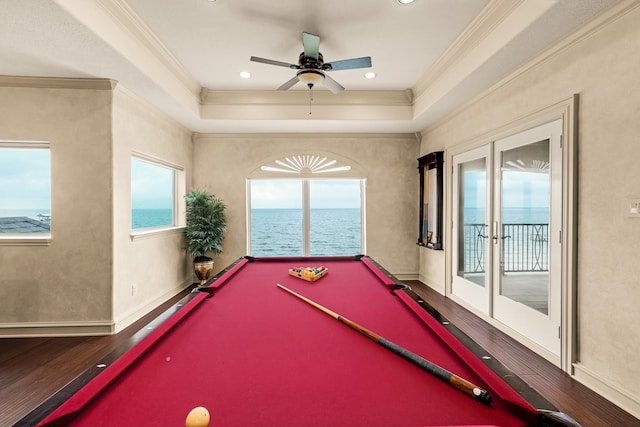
(306,204)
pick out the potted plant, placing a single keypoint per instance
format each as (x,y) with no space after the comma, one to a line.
(205,229)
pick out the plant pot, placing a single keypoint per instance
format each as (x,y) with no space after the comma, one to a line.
(203,269)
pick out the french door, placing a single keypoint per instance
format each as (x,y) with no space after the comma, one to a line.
(507,213)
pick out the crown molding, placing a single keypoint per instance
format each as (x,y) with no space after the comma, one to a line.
(301,136)
(482,25)
(117,24)
(605,18)
(302,112)
(302,97)
(302,105)
(494,27)
(57,83)
(148,108)
(121,11)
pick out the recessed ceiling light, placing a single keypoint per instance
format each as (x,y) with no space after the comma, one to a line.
(369,75)
(405,1)
(245,74)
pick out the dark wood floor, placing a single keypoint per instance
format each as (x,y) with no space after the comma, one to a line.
(31,369)
(566,394)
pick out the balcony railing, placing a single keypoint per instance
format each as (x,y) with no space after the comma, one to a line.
(525,247)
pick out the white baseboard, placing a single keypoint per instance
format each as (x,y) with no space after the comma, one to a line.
(438,288)
(55,329)
(406,276)
(617,395)
(87,328)
(136,313)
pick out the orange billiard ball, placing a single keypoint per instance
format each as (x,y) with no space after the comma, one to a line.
(197,417)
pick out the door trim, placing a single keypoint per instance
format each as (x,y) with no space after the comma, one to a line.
(506,310)
(481,298)
(567,110)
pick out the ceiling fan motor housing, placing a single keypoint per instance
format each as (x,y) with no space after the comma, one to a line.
(310,62)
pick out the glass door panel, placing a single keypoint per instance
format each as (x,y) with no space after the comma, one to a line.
(506,213)
(525,188)
(470,227)
(527,249)
(472,215)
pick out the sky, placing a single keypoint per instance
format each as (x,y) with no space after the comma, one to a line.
(25,184)
(151,186)
(287,194)
(25,179)
(519,189)
(525,189)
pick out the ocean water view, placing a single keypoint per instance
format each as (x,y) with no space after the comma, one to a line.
(510,215)
(279,232)
(140,218)
(146,218)
(276,232)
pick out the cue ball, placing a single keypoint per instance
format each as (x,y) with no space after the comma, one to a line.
(198,417)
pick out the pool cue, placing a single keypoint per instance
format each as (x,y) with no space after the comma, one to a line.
(460,383)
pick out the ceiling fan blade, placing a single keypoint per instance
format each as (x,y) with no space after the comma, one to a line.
(289,84)
(332,85)
(348,64)
(272,62)
(311,44)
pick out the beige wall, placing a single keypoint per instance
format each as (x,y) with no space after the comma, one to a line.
(222,164)
(67,283)
(81,283)
(147,270)
(603,70)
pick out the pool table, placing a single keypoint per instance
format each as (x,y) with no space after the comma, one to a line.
(255,355)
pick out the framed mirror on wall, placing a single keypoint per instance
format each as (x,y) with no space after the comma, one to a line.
(430,167)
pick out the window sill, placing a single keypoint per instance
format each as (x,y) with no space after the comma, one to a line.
(155,232)
(29,240)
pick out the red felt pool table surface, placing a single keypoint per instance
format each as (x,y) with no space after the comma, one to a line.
(254,355)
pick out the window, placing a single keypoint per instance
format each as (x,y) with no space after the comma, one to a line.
(335,217)
(306,204)
(276,217)
(306,217)
(154,193)
(25,189)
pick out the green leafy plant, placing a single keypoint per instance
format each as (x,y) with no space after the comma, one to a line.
(206,224)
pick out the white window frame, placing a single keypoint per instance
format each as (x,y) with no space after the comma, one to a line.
(29,239)
(178,204)
(307,166)
(306,212)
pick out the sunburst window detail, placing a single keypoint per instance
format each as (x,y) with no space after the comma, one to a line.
(305,164)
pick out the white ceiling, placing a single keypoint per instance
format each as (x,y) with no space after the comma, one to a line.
(185,56)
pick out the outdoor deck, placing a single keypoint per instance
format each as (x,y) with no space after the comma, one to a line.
(525,263)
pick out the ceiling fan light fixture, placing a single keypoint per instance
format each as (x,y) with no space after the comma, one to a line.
(310,77)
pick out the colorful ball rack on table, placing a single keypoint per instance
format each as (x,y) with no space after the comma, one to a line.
(310,274)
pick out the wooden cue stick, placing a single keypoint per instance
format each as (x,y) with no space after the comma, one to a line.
(450,378)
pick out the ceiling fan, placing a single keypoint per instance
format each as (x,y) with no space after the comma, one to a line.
(312,68)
